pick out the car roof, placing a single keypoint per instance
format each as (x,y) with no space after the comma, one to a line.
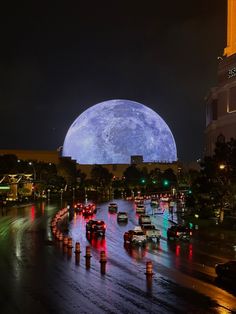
(137,228)
(148,226)
(179,227)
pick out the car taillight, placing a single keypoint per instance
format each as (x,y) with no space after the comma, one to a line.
(105,226)
(190,233)
(177,233)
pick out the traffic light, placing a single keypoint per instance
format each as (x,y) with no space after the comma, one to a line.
(143,181)
(154,181)
(165,183)
(189,191)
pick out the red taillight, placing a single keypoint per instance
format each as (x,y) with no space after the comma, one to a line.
(190,233)
(177,233)
(105,226)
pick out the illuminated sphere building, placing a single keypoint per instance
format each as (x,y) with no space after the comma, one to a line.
(112,131)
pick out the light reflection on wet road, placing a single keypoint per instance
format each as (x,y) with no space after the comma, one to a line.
(37,277)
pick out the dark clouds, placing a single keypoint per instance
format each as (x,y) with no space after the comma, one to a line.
(58,59)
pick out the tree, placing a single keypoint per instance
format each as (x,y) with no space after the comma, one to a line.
(101,177)
(168,179)
(214,188)
(132,176)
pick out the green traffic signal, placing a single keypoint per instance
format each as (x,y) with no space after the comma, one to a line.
(143,181)
(165,182)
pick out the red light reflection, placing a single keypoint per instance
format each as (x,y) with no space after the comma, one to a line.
(43,208)
(137,253)
(32,213)
(99,243)
(177,250)
(190,255)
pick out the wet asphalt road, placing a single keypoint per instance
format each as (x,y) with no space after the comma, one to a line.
(39,276)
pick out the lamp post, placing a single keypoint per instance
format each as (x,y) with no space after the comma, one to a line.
(73,195)
(34,177)
(224,180)
(86,196)
(34,172)
(49,194)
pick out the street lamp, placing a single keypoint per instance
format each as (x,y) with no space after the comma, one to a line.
(222,166)
(31,164)
(85,192)
(225,182)
(49,194)
(34,177)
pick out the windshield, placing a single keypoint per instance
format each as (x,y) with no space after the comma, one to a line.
(138,233)
(150,227)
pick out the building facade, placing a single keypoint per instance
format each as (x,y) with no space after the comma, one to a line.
(221,100)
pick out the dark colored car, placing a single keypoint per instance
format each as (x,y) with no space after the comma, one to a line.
(144,219)
(179,232)
(78,207)
(96,227)
(226,270)
(89,210)
(122,217)
(112,208)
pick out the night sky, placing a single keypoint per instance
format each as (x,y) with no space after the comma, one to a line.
(60,58)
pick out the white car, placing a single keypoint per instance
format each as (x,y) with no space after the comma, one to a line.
(151,232)
(135,236)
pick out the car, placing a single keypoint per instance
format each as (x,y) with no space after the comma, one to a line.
(154,202)
(138,200)
(151,232)
(144,219)
(89,210)
(78,207)
(96,227)
(226,270)
(135,236)
(122,217)
(112,208)
(140,209)
(179,232)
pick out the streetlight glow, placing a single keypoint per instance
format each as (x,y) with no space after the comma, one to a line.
(222,166)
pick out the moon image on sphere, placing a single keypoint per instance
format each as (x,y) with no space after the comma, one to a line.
(112,131)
